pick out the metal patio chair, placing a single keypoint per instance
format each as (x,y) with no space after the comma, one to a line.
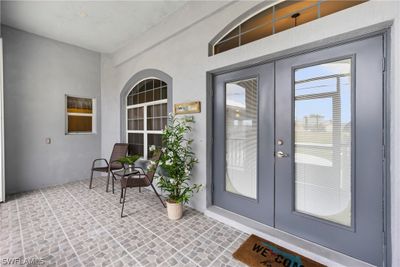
(119,151)
(140,179)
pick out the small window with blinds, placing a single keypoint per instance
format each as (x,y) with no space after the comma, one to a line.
(278,18)
(80,115)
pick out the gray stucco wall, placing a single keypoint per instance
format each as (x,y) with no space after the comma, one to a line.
(184,57)
(38,72)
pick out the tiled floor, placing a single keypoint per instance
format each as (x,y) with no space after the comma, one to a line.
(70,225)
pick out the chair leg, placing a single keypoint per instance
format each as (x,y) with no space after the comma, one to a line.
(112,178)
(140,189)
(91,179)
(120,197)
(108,180)
(123,203)
(155,191)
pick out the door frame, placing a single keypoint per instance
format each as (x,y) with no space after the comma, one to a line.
(2,154)
(384,30)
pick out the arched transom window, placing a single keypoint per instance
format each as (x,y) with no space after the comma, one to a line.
(146,115)
(280,17)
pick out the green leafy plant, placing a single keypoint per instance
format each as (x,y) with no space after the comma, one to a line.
(177,160)
(129,160)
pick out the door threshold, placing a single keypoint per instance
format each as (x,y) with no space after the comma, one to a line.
(304,247)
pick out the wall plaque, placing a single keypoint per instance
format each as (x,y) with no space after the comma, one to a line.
(187,108)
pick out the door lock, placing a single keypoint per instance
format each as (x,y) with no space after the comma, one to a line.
(281,154)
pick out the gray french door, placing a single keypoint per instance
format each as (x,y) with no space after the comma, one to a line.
(329,174)
(298,146)
(244,138)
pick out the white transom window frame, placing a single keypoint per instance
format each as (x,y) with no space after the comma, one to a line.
(145,132)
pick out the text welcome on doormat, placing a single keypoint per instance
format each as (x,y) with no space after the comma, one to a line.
(256,251)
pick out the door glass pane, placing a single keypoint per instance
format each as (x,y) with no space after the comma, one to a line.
(241,138)
(323,141)
(319,86)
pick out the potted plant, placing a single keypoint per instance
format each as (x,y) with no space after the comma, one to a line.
(129,160)
(177,161)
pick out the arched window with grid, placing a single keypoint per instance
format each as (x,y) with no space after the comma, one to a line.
(146,113)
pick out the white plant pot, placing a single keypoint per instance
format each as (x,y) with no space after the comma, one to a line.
(175,210)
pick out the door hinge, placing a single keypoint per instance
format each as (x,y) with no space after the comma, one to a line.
(383,64)
(212,188)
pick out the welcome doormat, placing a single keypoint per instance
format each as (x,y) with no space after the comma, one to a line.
(256,251)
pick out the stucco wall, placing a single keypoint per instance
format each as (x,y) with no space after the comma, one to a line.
(38,72)
(185,58)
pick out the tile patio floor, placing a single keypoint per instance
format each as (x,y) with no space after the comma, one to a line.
(70,225)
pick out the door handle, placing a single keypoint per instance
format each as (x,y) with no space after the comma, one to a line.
(281,154)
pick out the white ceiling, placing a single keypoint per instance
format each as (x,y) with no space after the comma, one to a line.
(102,26)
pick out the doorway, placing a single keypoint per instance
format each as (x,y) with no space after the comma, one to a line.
(298,146)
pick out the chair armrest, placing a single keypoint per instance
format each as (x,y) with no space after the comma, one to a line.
(94,162)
